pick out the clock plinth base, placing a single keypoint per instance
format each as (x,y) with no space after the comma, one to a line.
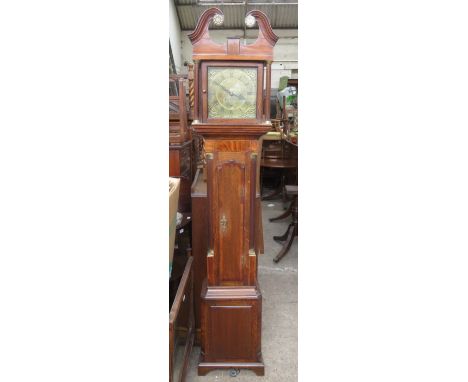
(257,367)
(231,329)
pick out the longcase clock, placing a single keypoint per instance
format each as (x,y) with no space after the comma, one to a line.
(231,112)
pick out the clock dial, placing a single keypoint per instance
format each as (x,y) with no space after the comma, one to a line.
(232,92)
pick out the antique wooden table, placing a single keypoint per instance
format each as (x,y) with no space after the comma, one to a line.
(293,229)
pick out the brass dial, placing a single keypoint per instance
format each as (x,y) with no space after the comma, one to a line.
(232,92)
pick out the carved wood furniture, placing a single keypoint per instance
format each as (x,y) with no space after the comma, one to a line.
(178,111)
(180,142)
(181,316)
(231,84)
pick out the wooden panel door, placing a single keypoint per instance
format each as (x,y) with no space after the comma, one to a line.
(229,196)
(232,327)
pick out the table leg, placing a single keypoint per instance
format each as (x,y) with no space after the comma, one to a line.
(289,240)
(272,195)
(284,236)
(283,215)
(290,233)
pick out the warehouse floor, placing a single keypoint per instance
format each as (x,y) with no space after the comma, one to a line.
(278,283)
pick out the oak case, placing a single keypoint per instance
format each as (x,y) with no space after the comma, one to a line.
(231,301)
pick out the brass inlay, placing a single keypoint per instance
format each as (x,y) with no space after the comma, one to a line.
(223,222)
(252,252)
(253,155)
(209,155)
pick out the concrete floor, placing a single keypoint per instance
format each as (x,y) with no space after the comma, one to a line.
(278,283)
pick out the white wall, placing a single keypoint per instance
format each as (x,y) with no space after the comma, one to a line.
(175,36)
(285,51)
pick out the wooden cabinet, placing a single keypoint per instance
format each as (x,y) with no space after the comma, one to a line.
(231,83)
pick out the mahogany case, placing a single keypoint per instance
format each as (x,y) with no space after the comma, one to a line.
(231,301)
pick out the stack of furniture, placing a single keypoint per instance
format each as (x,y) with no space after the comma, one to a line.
(180,140)
(279,156)
(181,315)
(279,161)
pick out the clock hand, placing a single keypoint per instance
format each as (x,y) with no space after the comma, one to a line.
(240,96)
(225,89)
(230,92)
